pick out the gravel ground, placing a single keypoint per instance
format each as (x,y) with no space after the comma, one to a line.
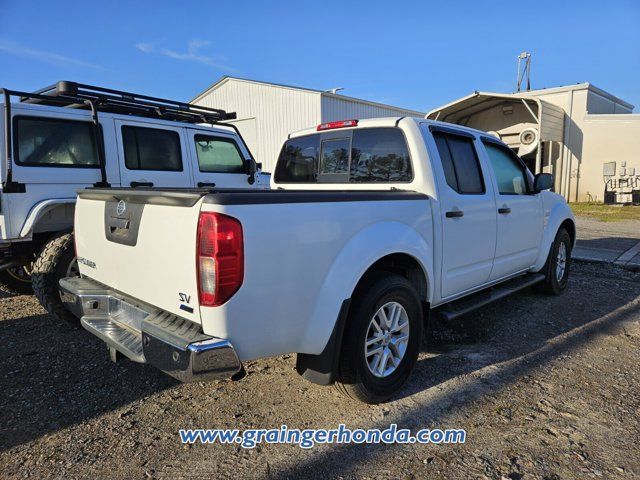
(546,387)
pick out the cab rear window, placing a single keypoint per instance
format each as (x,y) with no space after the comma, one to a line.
(367,155)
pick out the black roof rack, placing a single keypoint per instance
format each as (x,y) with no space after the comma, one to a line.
(78,95)
(100,99)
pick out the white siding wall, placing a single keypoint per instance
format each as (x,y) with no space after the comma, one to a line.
(335,108)
(277,112)
(268,113)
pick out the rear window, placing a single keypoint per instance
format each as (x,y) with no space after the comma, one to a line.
(334,160)
(55,142)
(151,149)
(218,155)
(380,155)
(367,155)
(298,161)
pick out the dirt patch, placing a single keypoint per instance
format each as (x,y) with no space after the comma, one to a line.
(546,387)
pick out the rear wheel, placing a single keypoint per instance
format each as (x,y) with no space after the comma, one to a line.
(381,340)
(558,263)
(56,260)
(16,280)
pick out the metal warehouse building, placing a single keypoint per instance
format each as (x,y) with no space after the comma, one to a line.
(586,137)
(268,112)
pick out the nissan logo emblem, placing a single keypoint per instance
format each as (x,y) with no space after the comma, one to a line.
(121,208)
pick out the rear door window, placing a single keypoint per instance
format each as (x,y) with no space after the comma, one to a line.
(151,149)
(460,163)
(367,155)
(218,155)
(55,142)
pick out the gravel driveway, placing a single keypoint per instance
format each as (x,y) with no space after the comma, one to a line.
(546,387)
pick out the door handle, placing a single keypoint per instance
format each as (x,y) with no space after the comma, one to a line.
(504,210)
(454,214)
(206,184)
(141,184)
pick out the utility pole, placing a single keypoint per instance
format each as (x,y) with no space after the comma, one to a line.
(524,70)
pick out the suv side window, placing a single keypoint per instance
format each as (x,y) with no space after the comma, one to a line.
(218,155)
(55,142)
(460,162)
(151,149)
(509,172)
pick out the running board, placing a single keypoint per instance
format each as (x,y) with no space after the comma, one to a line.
(457,308)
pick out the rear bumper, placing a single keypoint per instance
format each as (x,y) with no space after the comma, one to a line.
(146,334)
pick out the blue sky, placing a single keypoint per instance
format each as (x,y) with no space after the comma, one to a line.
(412,54)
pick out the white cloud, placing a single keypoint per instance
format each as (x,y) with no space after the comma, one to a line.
(193,54)
(146,47)
(44,56)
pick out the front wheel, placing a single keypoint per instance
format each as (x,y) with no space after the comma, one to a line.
(56,260)
(558,263)
(381,340)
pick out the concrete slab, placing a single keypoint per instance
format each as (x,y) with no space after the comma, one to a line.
(634,263)
(594,254)
(608,242)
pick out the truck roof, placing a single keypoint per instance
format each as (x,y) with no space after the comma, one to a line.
(388,122)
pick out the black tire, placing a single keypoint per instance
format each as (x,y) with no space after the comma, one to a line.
(552,285)
(12,281)
(52,264)
(355,378)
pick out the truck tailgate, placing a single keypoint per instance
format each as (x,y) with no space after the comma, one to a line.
(141,244)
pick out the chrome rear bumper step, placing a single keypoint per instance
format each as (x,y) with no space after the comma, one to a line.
(146,334)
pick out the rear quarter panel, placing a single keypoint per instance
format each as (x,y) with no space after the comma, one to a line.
(302,261)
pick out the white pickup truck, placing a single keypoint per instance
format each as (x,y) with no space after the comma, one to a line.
(369,227)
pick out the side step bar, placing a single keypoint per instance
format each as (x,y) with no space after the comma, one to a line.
(457,308)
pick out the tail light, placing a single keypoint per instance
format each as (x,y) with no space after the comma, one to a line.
(338,124)
(219,258)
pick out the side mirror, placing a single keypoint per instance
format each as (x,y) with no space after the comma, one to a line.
(252,169)
(542,181)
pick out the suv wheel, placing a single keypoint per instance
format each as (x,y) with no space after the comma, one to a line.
(16,280)
(56,260)
(381,340)
(558,263)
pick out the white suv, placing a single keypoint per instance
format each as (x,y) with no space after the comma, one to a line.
(70,136)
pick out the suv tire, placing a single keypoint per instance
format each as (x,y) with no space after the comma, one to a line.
(56,260)
(360,375)
(13,280)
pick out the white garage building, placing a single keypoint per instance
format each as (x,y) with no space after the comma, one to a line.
(268,112)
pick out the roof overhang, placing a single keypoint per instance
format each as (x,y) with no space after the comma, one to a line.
(459,111)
